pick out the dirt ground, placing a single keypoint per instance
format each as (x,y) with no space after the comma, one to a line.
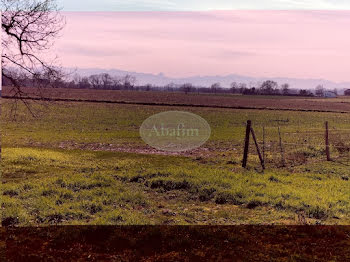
(192,99)
(176,243)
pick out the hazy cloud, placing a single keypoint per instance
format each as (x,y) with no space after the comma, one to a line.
(197,5)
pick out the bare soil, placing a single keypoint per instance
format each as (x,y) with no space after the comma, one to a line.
(181,243)
(341,105)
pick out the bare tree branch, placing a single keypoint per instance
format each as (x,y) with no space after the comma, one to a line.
(29,28)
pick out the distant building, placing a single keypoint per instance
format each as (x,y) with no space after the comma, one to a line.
(330,94)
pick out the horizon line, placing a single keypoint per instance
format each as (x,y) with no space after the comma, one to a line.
(222,75)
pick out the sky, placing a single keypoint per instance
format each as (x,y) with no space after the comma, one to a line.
(200,5)
(296,44)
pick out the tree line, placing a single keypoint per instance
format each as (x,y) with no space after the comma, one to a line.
(105,81)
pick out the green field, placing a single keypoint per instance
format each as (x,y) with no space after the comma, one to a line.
(85,163)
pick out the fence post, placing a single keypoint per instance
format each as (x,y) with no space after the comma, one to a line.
(327,142)
(281,147)
(246,144)
(258,149)
(263,147)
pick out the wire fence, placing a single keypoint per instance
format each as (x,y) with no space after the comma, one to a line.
(278,145)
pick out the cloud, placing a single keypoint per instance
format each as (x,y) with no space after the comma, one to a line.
(201,5)
(229,54)
(77,49)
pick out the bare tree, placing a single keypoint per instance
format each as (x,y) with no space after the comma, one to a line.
(170,87)
(29,28)
(116,82)
(304,92)
(319,90)
(215,87)
(234,87)
(106,80)
(242,87)
(128,82)
(77,79)
(268,87)
(95,81)
(148,87)
(84,83)
(187,87)
(285,89)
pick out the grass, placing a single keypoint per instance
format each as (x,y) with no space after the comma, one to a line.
(64,168)
(80,187)
(119,124)
(66,188)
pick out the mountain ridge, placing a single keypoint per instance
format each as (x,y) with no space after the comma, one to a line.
(225,80)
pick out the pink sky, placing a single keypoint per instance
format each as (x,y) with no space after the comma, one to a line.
(303,44)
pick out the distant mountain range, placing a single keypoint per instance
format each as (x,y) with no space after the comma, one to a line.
(225,81)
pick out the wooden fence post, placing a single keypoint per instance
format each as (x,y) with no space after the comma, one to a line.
(327,142)
(281,147)
(257,149)
(246,144)
(263,147)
